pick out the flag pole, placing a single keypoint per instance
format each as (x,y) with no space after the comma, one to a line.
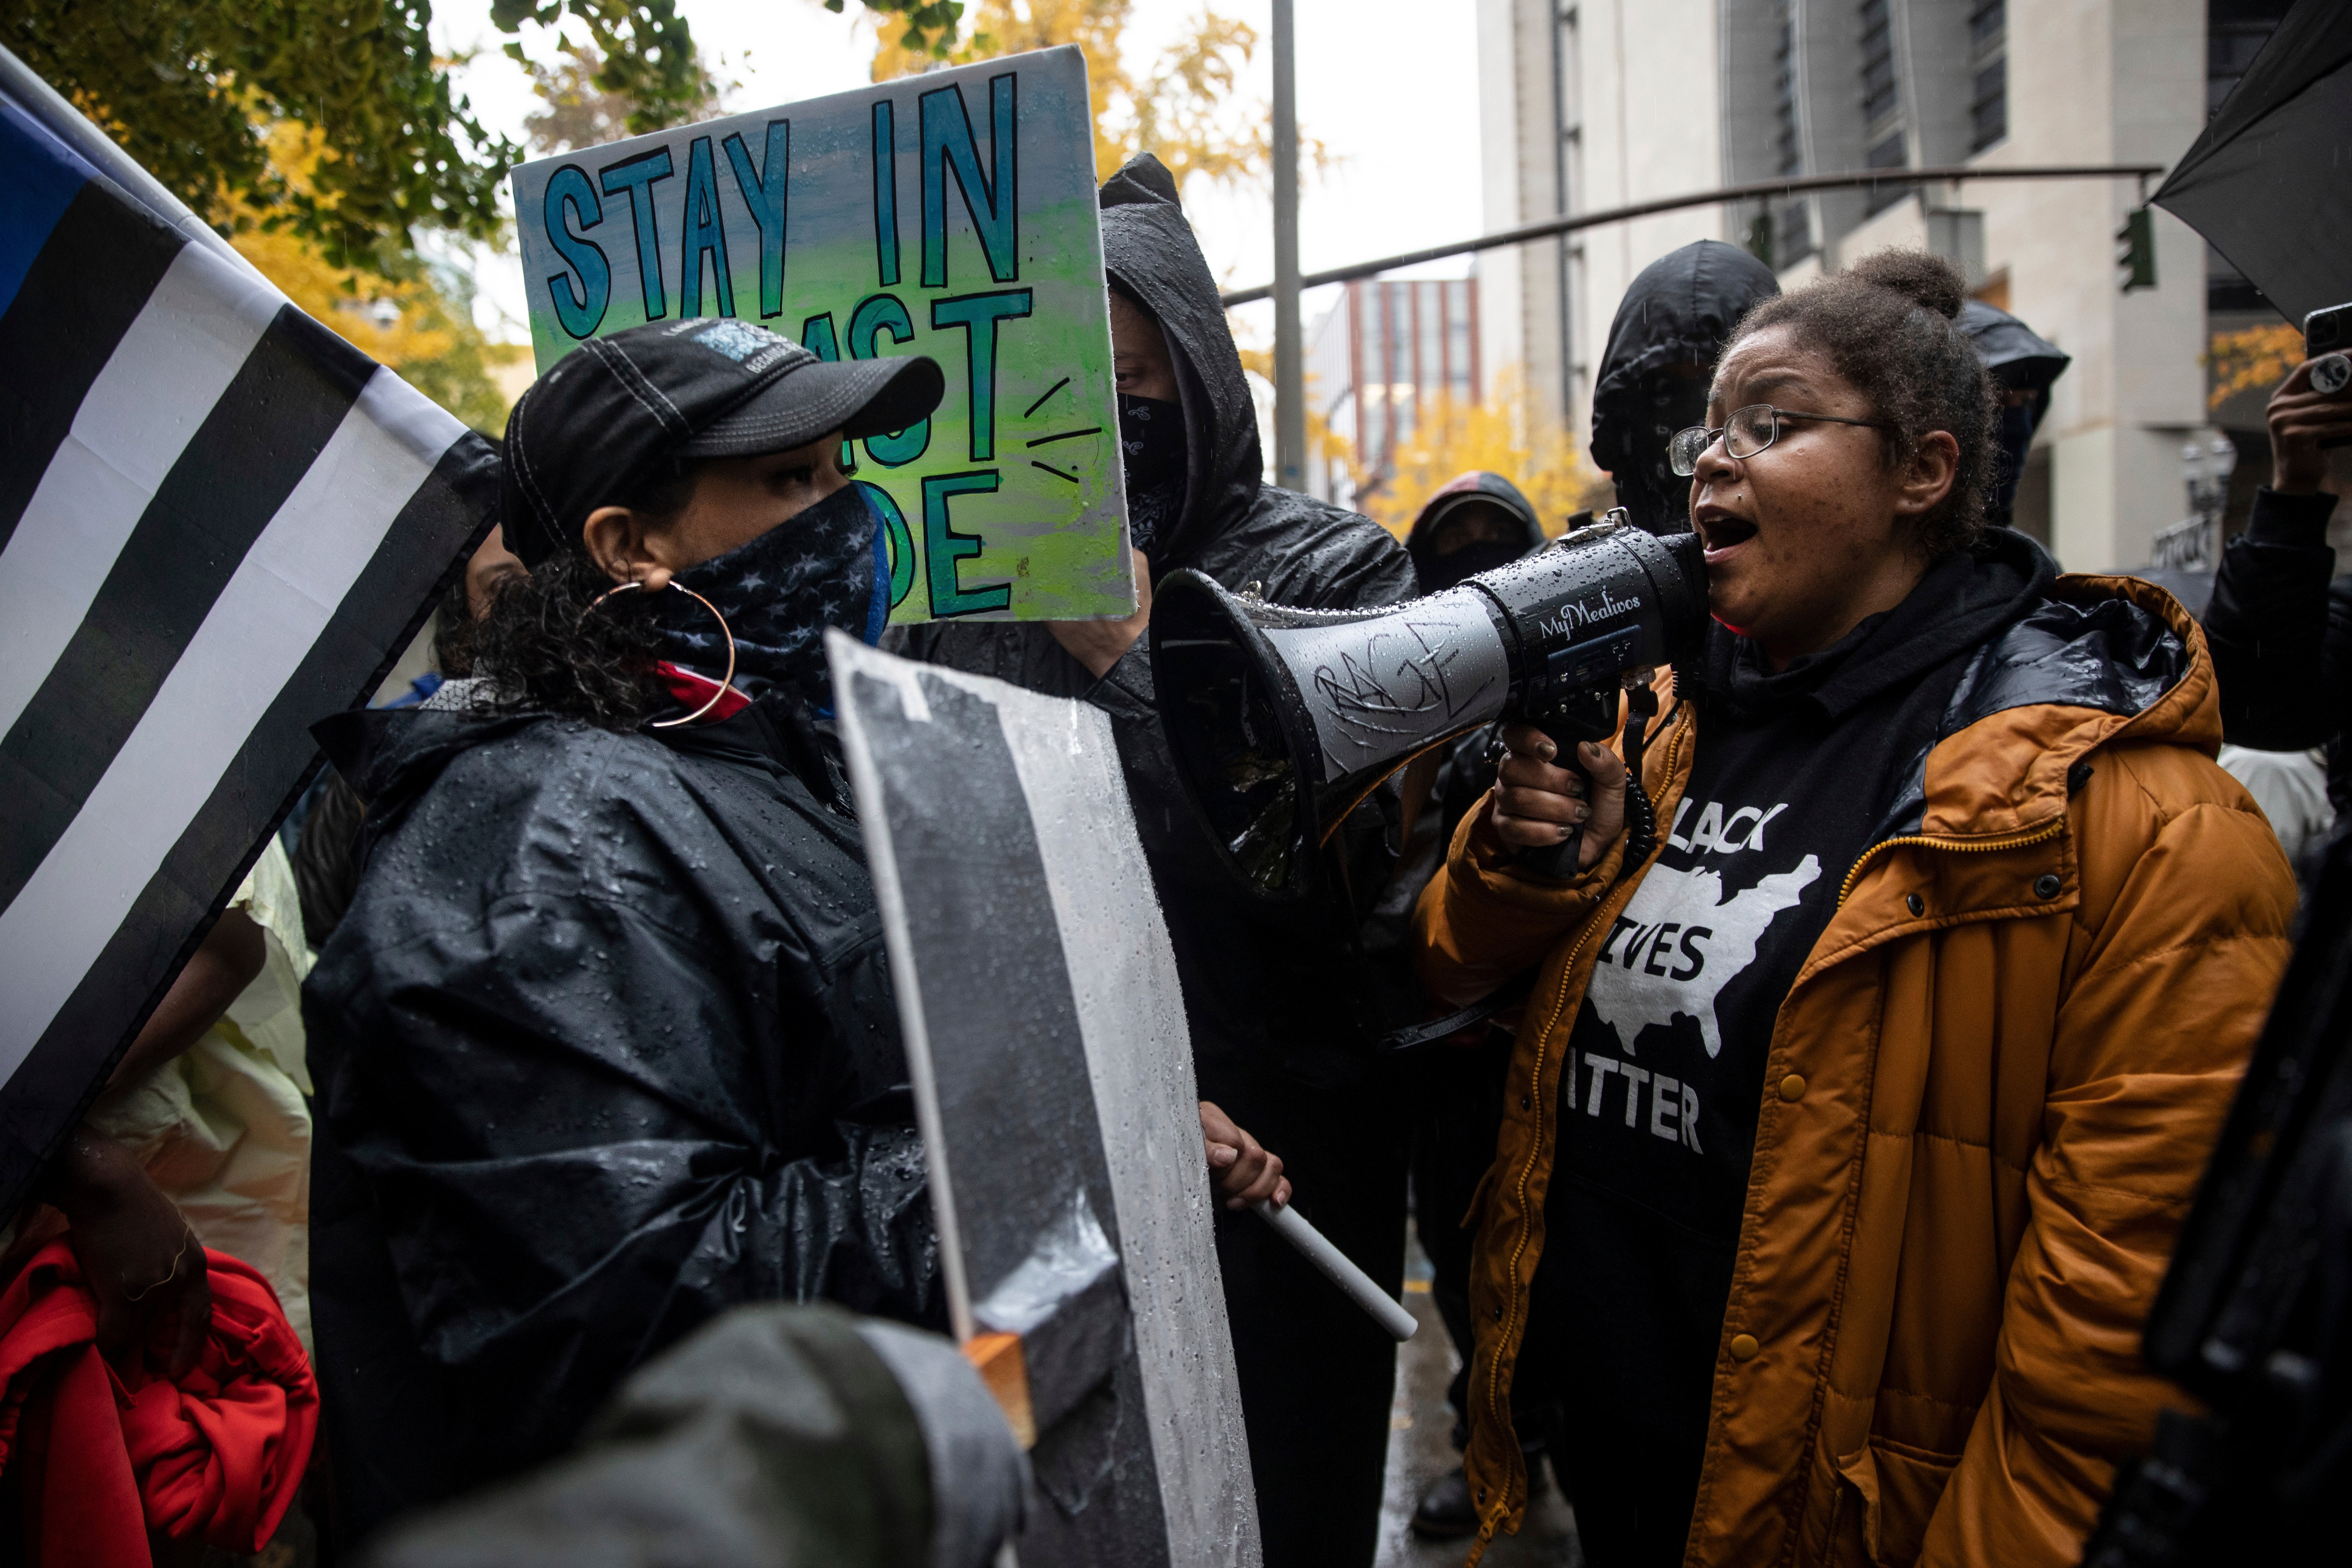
(1289,353)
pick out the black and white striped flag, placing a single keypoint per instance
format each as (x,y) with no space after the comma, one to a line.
(220,523)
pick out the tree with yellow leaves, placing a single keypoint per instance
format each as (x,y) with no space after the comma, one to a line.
(1184,110)
(395,310)
(2254,360)
(1502,434)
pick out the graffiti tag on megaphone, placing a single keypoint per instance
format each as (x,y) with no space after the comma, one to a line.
(1396,679)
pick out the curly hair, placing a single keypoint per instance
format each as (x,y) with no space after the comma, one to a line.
(1887,325)
(545,645)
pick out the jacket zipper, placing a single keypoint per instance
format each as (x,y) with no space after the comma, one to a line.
(1542,1105)
(2056,826)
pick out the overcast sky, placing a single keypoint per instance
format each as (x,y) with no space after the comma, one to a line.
(1390,85)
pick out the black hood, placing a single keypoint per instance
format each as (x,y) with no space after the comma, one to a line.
(2021,359)
(1678,310)
(1151,253)
(1477,485)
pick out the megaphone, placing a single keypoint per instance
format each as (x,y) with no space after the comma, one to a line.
(1281,720)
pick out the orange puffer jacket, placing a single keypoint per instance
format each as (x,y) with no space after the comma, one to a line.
(1991,1092)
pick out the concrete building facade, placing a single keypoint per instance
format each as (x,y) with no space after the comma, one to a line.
(1601,103)
(1384,352)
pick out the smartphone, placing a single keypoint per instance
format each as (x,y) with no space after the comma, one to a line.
(2325,335)
(2326,331)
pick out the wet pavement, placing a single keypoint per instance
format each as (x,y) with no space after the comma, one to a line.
(1420,1449)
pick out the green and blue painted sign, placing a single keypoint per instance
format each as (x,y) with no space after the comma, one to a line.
(951,213)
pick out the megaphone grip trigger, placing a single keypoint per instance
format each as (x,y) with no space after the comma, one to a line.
(1558,860)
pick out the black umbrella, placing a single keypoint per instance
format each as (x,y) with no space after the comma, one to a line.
(2270,181)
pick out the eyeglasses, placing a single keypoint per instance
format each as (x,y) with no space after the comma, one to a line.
(1747,432)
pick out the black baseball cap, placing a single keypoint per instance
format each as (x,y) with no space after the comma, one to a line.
(696,388)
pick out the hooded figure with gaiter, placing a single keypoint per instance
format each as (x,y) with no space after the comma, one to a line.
(1662,344)
(1475,523)
(1278,1003)
(2023,364)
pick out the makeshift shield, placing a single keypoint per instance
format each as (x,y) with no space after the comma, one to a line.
(1044,1030)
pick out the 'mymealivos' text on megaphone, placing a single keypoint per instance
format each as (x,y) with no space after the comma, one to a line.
(1282,720)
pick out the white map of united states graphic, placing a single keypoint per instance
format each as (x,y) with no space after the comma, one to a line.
(1680,940)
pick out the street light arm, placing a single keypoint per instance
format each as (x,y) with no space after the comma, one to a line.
(1550,227)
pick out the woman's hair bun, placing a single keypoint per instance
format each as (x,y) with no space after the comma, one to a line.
(1923,280)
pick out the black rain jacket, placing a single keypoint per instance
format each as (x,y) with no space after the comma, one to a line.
(605,1045)
(2279,626)
(1265,987)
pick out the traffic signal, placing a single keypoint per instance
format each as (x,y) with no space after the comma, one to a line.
(2136,255)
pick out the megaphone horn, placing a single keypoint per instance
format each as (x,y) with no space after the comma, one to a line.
(1282,720)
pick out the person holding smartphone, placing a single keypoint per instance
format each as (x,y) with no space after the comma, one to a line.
(2280,621)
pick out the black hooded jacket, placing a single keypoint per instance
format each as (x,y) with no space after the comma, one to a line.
(605,1046)
(1255,985)
(1677,311)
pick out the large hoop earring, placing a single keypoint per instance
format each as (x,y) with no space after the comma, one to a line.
(726,682)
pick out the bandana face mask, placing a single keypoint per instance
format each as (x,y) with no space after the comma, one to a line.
(826,566)
(1152,451)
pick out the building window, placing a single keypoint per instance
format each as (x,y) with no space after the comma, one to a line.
(1879,101)
(1988,109)
(1783,236)
(1457,342)
(1988,95)
(1787,146)
(1886,154)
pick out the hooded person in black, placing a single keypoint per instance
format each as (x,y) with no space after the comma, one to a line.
(1475,523)
(1276,1004)
(1662,344)
(2023,366)
(2280,621)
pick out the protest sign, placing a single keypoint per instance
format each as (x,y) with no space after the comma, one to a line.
(951,213)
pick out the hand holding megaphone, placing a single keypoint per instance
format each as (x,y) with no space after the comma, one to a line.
(1551,797)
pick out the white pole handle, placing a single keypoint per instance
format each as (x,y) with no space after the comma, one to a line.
(1352,1281)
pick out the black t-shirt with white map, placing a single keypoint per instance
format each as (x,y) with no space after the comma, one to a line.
(1658,1106)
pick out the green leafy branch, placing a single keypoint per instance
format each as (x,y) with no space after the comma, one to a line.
(930,24)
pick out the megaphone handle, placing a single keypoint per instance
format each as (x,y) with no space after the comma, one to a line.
(1558,860)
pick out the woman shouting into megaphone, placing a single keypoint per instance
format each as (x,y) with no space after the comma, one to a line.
(1847,1135)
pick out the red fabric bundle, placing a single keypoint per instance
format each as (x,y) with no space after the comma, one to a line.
(102,1455)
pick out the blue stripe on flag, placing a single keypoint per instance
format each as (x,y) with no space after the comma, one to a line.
(38,175)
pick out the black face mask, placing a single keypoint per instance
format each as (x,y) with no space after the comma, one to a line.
(2015,434)
(1657,497)
(1152,449)
(1468,561)
(828,566)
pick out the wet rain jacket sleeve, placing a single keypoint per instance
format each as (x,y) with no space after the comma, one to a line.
(2178,940)
(1482,920)
(598,1093)
(2280,630)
